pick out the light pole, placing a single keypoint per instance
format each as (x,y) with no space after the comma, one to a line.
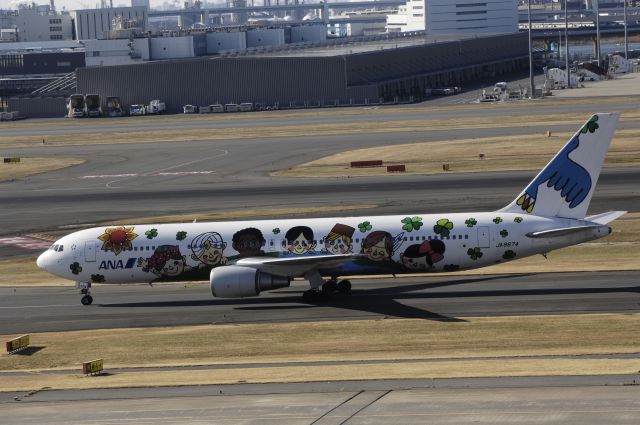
(566,43)
(532,85)
(626,43)
(597,6)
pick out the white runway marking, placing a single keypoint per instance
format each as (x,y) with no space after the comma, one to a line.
(177,173)
(25,242)
(38,306)
(163,172)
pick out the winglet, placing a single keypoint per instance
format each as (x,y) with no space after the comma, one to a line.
(566,184)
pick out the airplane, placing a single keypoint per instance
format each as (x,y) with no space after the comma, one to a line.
(244,258)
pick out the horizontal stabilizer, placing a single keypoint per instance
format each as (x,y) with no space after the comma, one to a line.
(605,218)
(563,231)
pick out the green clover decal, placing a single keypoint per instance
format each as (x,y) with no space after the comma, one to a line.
(276,230)
(451,267)
(504,233)
(411,223)
(75,268)
(443,227)
(518,220)
(591,125)
(97,278)
(365,226)
(497,220)
(474,253)
(470,222)
(508,255)
(180,236)
(151,233)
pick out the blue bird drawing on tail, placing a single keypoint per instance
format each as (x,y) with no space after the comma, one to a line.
(563,174)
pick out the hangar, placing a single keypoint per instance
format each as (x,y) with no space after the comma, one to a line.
(379,68)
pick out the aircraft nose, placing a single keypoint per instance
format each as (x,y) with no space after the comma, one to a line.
(41,262)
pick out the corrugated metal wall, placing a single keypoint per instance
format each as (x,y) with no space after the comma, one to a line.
(224,80)
(38,107)
(377,66)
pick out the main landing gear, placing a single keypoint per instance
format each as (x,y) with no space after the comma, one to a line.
(321,290)
(85,291)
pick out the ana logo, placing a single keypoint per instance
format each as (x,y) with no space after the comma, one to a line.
(117,264)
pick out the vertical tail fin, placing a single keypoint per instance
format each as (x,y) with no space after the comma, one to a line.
(565,186)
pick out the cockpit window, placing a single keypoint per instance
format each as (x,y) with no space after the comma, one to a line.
(55,247)
(60,248)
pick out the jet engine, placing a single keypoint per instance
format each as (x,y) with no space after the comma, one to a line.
(238,282)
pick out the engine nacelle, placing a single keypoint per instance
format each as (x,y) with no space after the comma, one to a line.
(238,282)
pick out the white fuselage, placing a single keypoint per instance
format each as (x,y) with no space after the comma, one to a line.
(383,244)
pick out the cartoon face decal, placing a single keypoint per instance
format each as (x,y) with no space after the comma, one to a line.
(380,245)
(208,249)
(248,242)
(300,240)
(165,261)
(339,240)
(117,239)
(421,257)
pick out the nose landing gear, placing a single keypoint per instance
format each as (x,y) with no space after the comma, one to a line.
(85,291)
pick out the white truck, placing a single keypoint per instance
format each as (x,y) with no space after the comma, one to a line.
(137,109)
(189,109)
(156,107)
(75,106)
(92,105)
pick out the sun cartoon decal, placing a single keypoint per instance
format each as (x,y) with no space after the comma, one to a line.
(117,239)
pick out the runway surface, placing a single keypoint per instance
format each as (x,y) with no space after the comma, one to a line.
(584,400)
(24,310)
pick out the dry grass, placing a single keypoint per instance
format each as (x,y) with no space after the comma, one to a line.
(418,370)
(266,131)
(346,340)
(30,166)
(527,152)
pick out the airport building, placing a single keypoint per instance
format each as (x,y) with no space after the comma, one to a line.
(352,73)
(97,23)
(34,23)
(455,16)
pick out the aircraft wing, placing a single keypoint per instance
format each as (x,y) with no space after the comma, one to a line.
(296,265)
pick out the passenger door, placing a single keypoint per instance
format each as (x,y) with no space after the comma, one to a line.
(483,237)
(90,251)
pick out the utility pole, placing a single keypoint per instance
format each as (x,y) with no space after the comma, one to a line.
(597,6)
(626,42)
(532,85)
(566,43)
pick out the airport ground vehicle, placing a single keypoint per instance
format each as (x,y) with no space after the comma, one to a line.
(92,106)
(137,109)
(189,109)
(114,107)
(156,107)
(75,106)
(244,258)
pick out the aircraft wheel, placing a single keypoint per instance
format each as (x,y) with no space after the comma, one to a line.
(86,300)
(314,296)
(329,287)
(344,286)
